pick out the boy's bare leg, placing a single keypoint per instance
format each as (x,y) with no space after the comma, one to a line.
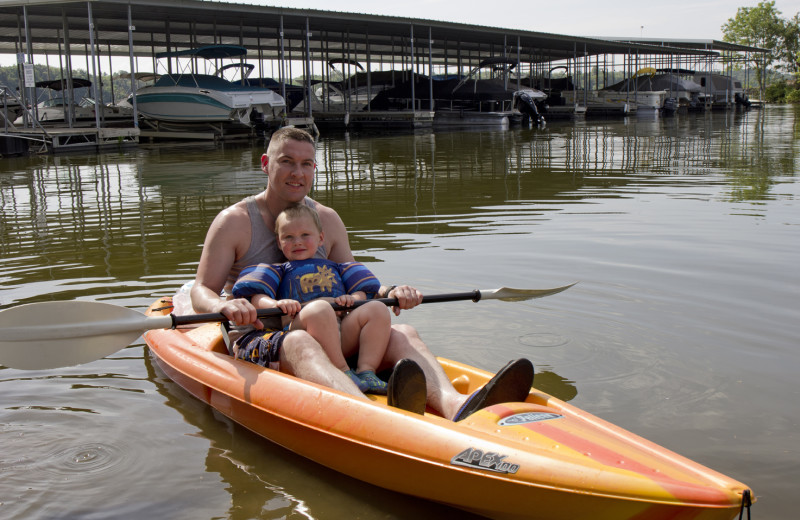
(366,331)
(319,320)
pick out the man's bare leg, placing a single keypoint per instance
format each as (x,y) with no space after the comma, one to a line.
(405,342)
(304,358)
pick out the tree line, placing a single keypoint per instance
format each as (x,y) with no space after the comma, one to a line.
(763,26)
(107,91)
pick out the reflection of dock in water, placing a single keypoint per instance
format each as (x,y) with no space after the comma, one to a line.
(660,146)
(555,385)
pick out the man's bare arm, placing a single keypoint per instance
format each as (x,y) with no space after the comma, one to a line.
(226,236)
(336,241)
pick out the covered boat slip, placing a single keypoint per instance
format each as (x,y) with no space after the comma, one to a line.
(300,52)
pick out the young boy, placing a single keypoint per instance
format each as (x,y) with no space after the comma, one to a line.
(303,288)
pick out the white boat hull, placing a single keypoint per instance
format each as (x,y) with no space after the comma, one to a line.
(648,100)
(625,101)
(81,114)
(192,104)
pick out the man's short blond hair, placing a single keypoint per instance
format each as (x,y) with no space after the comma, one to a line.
(288,133)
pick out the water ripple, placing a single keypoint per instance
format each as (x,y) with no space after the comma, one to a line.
(85,458)
(66,460)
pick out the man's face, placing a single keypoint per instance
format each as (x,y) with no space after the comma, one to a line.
(291,170)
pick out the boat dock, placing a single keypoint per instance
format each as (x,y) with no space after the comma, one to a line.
(62,140)
(329,67)
(71,139)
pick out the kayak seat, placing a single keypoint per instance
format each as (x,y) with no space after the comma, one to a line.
(461,383)
(208,337)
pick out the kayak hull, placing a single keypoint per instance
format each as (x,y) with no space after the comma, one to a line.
(541,459)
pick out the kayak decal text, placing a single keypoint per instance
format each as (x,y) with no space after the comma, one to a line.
(528,417)
(489,461)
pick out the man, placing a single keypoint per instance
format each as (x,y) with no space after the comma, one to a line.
(243,235)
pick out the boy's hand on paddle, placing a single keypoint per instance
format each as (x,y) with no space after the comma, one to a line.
(345,300)
(289,307)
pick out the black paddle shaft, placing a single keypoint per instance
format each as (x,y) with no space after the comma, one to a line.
(267,313)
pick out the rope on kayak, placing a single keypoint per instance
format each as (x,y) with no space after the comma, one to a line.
(169,306)
(746,503)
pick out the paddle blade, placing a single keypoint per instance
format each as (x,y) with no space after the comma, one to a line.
(508,294)
(59,334)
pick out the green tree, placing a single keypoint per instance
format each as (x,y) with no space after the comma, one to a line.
(791,39)
(9,76)
(760,26)
(776,92)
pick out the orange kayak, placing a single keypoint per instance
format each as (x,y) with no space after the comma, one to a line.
(538,459)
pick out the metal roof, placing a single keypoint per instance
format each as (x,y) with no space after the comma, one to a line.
(716,45)
(170,25)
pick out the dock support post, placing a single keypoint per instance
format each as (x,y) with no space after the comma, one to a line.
(131,28)
(430,67)
(308,66)
(97,109)
(413,73)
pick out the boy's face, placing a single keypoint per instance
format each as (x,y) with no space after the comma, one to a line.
(298,237)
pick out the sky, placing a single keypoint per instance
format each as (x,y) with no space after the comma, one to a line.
(674,19)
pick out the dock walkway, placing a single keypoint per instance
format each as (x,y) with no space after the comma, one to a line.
(58,140)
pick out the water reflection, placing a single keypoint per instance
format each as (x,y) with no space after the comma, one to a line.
(490,182)
(266,481)
(549,382)
(677,229)
(73,226)
(655,146)
(121,222)
(251,496)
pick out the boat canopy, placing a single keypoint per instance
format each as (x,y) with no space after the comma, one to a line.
(685,72)
(497,60)
(656,82)
(342,61)
(209,52)
(61,84)
(496,63)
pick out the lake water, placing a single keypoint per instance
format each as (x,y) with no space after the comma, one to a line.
(683,232)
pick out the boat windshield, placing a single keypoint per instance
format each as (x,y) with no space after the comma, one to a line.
(53,102)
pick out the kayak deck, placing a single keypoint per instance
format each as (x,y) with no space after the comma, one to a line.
(542,458)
